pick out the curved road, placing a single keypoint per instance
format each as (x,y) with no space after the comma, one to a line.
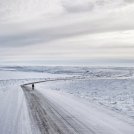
(52,113)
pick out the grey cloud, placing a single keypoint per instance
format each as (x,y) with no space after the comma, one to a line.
(50,34)
(78,7)
(129,1)
(98,24)
(100,2)
(115,45)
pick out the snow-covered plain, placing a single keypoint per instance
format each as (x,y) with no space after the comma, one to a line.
(112,88)
(116,94)
(14,117)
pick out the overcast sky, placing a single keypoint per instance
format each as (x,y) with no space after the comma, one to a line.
(67,32)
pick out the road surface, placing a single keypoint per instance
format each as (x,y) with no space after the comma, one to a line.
(54,113)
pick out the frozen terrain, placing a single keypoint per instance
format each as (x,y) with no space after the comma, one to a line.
(116,94)
(51,112)
(91,100)
(14,117)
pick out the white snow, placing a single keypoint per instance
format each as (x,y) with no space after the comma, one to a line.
(98,119)
(116,94)
(109,90)
(14,116)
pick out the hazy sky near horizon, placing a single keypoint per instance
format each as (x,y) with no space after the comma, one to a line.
(67,32)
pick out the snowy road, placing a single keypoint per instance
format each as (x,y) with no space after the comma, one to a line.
(48,119)
(54,113)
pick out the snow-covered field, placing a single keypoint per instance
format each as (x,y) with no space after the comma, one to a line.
(112,88)
(116,94)
(14,117)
